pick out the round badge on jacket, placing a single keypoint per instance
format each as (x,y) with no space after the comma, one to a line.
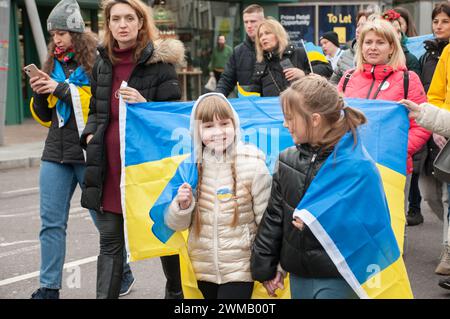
(224,194)
(385,86)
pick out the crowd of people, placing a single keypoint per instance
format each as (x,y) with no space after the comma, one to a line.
(250,234)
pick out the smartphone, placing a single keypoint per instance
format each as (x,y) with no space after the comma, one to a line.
(286,64)
(32,71)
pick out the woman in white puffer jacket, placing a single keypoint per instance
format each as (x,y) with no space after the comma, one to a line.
(232,194)
(437,120)
(430,117)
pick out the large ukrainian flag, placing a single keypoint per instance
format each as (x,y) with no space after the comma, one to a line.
(346,209)
(156,160)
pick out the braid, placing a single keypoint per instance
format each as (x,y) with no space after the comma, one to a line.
(235,198)
(197,221)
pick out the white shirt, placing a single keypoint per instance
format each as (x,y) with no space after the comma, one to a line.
(335,59)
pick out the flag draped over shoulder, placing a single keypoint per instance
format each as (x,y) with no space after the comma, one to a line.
(80,92)
(156,160)
(346,209)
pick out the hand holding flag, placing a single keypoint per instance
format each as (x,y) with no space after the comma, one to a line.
(185,196)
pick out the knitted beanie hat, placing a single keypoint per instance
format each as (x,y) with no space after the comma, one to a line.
(331,36)
(66,16)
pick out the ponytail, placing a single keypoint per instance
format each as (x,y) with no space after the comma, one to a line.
(353,118)
(314,94)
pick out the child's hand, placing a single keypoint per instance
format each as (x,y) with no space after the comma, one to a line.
(414,109)
(185,196)
(274,284)
(297,222)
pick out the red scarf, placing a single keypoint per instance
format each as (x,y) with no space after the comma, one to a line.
(64,55)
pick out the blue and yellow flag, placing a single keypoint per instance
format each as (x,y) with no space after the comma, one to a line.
(156,160)
(80,92)
(314,52)
(244,91)
(346,209)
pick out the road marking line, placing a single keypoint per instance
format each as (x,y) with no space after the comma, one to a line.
(17,243)
(19,192)
(22,190)
(19,251)
(36,273)
(76,209)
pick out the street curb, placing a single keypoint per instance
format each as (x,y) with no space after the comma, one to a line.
(20,163)
(21,155)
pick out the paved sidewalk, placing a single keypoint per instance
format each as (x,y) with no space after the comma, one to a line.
(23,145)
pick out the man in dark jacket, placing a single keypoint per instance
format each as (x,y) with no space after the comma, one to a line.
(239,68)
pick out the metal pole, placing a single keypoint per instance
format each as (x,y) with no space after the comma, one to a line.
(36,28)
(5,7)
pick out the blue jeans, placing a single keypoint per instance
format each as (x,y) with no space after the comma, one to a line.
(320,288)
(57,184)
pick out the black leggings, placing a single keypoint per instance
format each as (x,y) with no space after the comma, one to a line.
(230,290)
(112,242)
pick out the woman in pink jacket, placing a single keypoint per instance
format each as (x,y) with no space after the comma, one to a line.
(381,74)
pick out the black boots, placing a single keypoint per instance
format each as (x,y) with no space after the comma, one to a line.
(45,293)
(109,276)
(171,268)
(414,217)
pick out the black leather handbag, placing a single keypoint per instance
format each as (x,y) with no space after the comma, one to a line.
(442,164)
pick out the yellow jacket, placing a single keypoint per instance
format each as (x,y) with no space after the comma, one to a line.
(439,91)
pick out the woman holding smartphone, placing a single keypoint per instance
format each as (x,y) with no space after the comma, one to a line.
(66,72)
(279,63)
(130,52)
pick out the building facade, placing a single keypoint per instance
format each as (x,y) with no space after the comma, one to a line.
(196,23)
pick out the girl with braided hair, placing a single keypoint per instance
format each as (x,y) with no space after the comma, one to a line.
(224,211)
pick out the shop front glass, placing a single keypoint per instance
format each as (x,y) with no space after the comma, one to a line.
(197,24)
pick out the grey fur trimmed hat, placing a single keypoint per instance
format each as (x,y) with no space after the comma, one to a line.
(66,16)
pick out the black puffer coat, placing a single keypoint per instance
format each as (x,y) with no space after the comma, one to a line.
(155,78)
(62,144)
(277,240)
(429,60)
(268,77)
(239,67)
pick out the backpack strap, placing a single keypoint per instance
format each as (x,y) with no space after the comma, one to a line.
(346,79)
(405,84)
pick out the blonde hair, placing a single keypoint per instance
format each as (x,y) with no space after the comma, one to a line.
(314,94)
(280,33)
(208,109)
(385,30)
(148,32)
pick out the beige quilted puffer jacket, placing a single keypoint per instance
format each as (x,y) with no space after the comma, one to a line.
(221,253)
(434,119)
